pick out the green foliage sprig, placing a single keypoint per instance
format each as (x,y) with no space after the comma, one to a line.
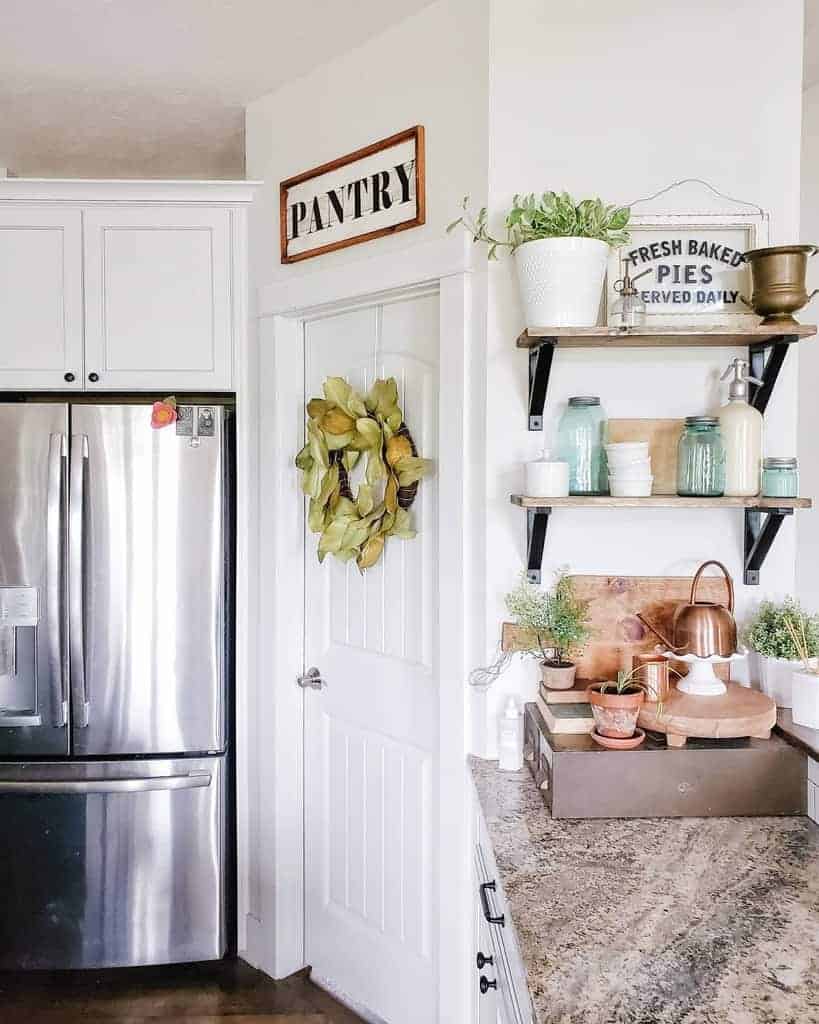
(557,619)
(341,427)
(771,632)
(551,215)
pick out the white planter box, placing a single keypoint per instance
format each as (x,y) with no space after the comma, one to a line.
(561,281)
(806,699)
(776,678)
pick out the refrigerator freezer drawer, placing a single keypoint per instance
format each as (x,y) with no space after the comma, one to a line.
(111,864)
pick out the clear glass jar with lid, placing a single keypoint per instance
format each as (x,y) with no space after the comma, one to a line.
(701,459)
(780,478)
(581,436)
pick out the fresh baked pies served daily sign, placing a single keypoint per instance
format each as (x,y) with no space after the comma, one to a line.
(372,192)
(691,269)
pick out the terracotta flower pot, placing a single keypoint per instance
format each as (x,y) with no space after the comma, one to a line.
(615,714)
(558,675)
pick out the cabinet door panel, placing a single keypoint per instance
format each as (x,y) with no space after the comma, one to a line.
(40,298)
(158,302)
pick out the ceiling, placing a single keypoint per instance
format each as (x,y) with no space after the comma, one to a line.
(130,88)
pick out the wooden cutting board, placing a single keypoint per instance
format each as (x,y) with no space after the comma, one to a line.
(617,632)
(663,437)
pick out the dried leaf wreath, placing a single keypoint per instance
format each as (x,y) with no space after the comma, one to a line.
(341,427)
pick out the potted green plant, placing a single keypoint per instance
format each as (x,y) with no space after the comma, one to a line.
(559,623)
(616,705)
(771,635)
(561,249)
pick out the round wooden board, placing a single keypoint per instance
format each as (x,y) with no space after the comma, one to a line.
(739,712)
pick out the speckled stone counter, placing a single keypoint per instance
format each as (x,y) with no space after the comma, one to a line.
(663,921)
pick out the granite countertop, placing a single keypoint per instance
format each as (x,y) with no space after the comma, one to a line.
(657,921)
(798,735)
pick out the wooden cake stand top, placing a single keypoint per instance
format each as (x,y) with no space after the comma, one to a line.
(739,712)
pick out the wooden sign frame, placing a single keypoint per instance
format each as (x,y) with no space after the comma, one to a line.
(414,135)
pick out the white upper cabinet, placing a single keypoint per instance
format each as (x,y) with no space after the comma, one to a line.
(41,317)
(122,285)
(158,298)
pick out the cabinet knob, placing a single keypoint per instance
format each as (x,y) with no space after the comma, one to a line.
(486,984)
(482,961)
(69,377)
(93,377)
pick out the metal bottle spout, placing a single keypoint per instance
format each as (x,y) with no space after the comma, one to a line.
(665,640)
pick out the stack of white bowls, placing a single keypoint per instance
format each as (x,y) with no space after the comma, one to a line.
(629,469)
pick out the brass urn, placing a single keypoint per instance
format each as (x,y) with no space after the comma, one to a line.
(778,281)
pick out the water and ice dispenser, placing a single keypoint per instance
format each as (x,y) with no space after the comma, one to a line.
(19,618)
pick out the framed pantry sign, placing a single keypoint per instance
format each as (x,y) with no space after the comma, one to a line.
(375,191)
(692,267)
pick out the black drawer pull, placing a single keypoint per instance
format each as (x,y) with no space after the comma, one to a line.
(486,984)
(482,961)
(487,913)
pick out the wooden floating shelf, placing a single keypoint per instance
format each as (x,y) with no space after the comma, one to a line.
(759,532)
(671,501)
(767,349)
(672,337)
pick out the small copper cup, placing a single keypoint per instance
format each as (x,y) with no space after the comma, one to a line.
(652,672)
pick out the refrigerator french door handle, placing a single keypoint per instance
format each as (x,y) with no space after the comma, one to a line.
(150,783)
(57,454)
(76,581)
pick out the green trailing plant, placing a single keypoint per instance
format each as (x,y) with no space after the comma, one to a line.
(341,428)
(628,682)
(550,215)
(784,630)
(558,620)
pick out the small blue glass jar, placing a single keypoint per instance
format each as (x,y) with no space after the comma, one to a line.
(780,478)
(581,436)
(701,459)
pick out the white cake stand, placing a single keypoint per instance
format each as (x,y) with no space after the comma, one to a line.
(701,680)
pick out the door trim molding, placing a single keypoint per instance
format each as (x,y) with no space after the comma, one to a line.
(271,895)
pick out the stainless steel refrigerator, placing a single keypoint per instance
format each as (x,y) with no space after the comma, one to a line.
(115,627)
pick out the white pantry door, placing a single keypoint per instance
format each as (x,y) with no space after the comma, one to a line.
(371,736)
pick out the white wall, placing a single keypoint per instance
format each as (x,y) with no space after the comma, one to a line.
(430,70)
(808,527)
(598,101)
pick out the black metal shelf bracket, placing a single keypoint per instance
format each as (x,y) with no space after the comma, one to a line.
(540,367)
(760,534)
(766,359)
(537,522)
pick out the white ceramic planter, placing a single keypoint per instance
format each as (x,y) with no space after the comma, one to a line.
(776,678)
(806,699)
(561,281)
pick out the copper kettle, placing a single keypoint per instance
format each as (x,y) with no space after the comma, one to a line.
(701,627)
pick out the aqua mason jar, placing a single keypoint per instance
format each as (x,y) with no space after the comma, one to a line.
(581,436)
(780,478)
(701,459)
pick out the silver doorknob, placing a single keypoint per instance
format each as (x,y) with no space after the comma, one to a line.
(311,680)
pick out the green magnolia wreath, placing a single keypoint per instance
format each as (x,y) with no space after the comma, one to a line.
(341,427)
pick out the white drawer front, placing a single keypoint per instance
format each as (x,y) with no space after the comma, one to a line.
(515,1003)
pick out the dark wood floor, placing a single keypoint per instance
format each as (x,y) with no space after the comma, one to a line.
(190,994)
